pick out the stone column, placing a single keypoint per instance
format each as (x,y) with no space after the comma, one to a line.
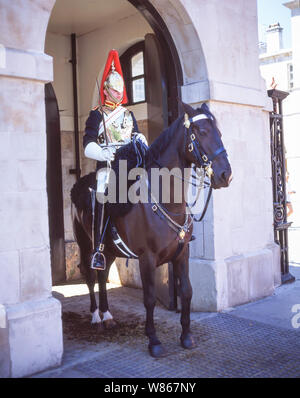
(30,318)
(234,259)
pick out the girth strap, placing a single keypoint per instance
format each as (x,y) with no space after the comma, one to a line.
(118,242)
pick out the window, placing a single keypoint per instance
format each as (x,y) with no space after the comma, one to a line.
(290,77)
(133,67)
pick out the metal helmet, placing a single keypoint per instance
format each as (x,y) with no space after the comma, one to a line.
(113,76)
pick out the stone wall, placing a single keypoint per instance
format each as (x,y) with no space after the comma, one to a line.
(220,64)
(30,319)
(237,261)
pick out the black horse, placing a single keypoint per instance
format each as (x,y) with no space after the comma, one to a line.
(157,234)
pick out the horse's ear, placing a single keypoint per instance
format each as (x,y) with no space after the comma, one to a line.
(204,108)
(185,108)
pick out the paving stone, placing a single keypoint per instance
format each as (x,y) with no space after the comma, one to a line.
(228,346)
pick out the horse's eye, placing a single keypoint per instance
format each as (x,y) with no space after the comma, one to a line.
(202,131)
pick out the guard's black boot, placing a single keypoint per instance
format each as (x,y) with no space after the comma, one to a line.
(98,261)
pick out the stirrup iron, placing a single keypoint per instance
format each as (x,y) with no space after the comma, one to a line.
(98,261)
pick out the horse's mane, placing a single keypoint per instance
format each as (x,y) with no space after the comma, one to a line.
(165,138)
(161,142)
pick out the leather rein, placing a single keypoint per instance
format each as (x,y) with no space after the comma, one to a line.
(205,162)
(201,158)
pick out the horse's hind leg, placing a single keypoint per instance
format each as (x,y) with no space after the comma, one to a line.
(147,269)
(108,320)
(85,247)
(181,271)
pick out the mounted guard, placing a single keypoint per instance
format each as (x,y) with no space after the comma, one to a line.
(109,126)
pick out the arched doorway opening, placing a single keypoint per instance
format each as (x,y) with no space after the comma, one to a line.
(79,43)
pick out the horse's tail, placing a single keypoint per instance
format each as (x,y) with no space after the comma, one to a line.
(80,192)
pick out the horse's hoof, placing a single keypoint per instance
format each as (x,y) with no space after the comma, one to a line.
(157,351)
(109,324)
(100,327)
(188,341)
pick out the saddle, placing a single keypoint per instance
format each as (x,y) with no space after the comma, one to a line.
(135,155)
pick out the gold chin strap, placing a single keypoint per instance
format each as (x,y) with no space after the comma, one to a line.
(111,105)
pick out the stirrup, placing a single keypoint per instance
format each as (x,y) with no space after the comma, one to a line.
(98,261)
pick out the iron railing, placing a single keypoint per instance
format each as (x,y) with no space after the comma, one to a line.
(278,161)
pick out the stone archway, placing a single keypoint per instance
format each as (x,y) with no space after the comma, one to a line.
(239,262)
(31,330)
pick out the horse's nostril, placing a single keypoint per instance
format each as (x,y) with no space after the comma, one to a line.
(227,177)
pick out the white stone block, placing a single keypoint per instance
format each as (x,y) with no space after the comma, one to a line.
(29,146)
(22,106)
(261,274)
(9,277)
(31,175)
(35,273)
(197,246)
(203,279)
(172,15)
(27,65)
(35,336)
(8,175)
(238,280)
(23,220)
(18,17)
(5,145)
(129,276)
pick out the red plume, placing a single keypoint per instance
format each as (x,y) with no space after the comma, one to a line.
(112,56)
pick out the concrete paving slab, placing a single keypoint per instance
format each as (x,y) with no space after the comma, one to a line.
(253,340)
(277,309)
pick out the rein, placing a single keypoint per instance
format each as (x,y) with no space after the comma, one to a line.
(205,162)
(194,146)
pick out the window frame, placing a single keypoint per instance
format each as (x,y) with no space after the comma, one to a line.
(290,68)
(126,64)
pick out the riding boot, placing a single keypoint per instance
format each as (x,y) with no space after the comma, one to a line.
(98,261)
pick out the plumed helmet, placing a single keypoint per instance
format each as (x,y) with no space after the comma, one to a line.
(114,80)
(113,76)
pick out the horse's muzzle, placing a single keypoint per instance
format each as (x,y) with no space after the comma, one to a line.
(227,177)
(223,180)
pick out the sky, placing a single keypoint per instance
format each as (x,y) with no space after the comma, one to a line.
(272,11)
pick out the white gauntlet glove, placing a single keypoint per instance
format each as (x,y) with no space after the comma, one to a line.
(96,152)
(141,137)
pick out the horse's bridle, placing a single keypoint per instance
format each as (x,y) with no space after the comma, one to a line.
(194,146)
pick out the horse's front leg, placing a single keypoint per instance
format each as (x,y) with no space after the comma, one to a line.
(147,270)
(181,271)
(90,278)
(107,318)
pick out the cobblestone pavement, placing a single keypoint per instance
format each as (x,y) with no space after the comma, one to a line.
(246,342)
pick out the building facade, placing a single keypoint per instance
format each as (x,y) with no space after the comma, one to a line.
(214,54)
(280,67)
